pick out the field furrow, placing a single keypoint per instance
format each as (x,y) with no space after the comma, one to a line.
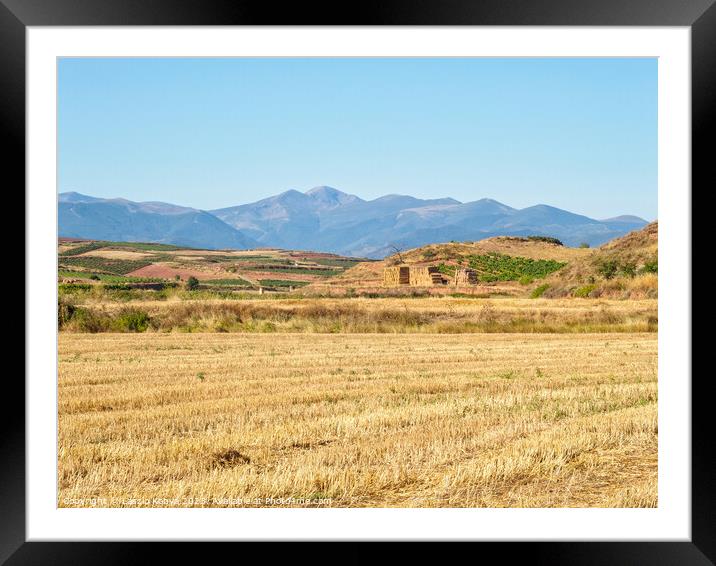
(348,420)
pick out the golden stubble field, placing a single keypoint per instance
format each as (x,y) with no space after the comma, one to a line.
(353,420)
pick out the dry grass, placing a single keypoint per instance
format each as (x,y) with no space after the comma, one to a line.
(358,420)
(444,315)
(513,246)
(635,248)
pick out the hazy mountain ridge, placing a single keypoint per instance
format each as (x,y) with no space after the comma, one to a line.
(326,219)
(80,216)
(353,226)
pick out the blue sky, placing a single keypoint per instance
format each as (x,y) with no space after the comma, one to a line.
(579,134)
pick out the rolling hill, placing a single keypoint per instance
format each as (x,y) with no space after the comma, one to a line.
(613,266)
(328,220)
(623,268)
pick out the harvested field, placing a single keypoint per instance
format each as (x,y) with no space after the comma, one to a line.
(164,271)
(117,254)
(415,420)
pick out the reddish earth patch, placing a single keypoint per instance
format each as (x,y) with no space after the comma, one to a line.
(64,240)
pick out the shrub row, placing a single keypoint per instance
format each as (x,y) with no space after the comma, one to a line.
(613,267)
(341,318)
(103,264)
(82,319)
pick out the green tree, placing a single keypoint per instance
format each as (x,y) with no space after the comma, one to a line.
(608,268)
(651,267)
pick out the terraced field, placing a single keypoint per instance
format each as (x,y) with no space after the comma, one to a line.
(85,261)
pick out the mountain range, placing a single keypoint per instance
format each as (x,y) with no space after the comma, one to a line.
(121,220)
(329,220)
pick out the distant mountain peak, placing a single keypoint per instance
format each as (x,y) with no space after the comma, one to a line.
(324,190)
(290,193)
(329,198)
(541,207)
(74,196)
(630,218)
(392,196)
(488,203)
(488,200)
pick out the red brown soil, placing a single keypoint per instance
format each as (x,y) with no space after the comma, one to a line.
(64,240)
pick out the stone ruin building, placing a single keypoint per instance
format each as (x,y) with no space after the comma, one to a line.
(426,276)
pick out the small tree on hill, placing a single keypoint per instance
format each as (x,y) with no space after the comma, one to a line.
(397,251)
(192,283)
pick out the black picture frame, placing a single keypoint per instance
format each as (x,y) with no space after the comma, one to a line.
(16,15)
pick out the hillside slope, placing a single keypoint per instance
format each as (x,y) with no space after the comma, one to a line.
(369,275)
(625,267)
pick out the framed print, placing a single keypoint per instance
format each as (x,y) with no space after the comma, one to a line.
(296,278)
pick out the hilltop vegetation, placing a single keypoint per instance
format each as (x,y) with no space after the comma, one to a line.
(494,266)
(501,267)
